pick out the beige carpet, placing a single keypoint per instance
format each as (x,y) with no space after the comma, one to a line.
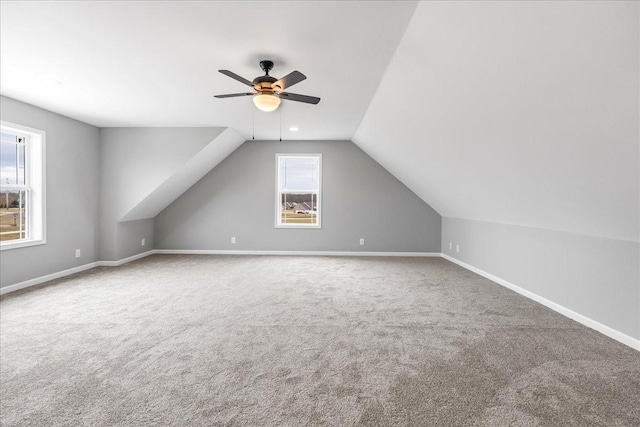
(288,341)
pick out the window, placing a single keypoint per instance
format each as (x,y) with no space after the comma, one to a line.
(298,183)
(21,186)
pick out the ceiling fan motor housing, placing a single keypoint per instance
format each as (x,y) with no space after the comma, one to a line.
(266,65)
(263,83)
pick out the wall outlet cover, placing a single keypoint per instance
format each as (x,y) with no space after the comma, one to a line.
(78,253)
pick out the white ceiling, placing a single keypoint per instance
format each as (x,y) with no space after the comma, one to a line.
(155,63)
(525,113)
(521,113)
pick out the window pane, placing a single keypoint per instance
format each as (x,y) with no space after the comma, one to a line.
(8,137)
(12,160)
(13,218)
(299,173)
(299,208)
(21,168)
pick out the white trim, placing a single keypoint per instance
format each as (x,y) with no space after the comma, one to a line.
(47,278)
(278,214)
(20,128)
(35,182)
(125,260)
(59,274)
(294,253)
(21,243)
(604,329)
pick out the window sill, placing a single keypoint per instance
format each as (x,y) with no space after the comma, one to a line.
(299,226)
(21,244)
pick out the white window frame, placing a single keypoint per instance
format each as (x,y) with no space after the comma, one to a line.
(34,185)
(278,216)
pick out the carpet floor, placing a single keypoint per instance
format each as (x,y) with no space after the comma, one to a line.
(196,340)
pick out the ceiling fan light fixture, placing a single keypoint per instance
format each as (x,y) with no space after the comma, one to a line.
(268,91)
(266,102)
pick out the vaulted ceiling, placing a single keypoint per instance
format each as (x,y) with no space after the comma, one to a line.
(156,63)
(522,113)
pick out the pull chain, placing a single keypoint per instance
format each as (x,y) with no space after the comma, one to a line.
(281,125)
(253,123)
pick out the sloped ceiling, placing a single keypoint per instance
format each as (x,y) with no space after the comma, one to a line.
(514,112)
(185,176)
(146,63)
(521,113)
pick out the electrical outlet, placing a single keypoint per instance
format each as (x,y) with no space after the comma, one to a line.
(457,248)
(450,245)
(233,240)
(362,241)
(142,242)
(78,253)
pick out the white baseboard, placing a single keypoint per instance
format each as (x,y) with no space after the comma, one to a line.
(295,253)
(59,274)
(48,277)
(604,329)
(125,260)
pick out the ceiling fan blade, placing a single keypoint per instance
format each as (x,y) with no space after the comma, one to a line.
(236,77)
(289,80)
(300,98)
(232,95)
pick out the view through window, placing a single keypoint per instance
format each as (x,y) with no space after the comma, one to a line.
(21,186)
(298,190)
(14,197)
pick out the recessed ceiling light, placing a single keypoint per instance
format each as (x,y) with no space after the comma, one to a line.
(294,129)
(48,81)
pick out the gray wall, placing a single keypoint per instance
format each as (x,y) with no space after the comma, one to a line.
(529,115)
(72,194)
(133,163)
(129,235)
(359,199)
(596,277)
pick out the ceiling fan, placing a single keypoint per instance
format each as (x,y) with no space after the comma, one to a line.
(269,90)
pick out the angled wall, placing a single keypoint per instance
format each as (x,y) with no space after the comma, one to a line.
(521,127)
(516,112)
(190,173)
(145,169)
(359,199)
(72,195)
(596,277)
